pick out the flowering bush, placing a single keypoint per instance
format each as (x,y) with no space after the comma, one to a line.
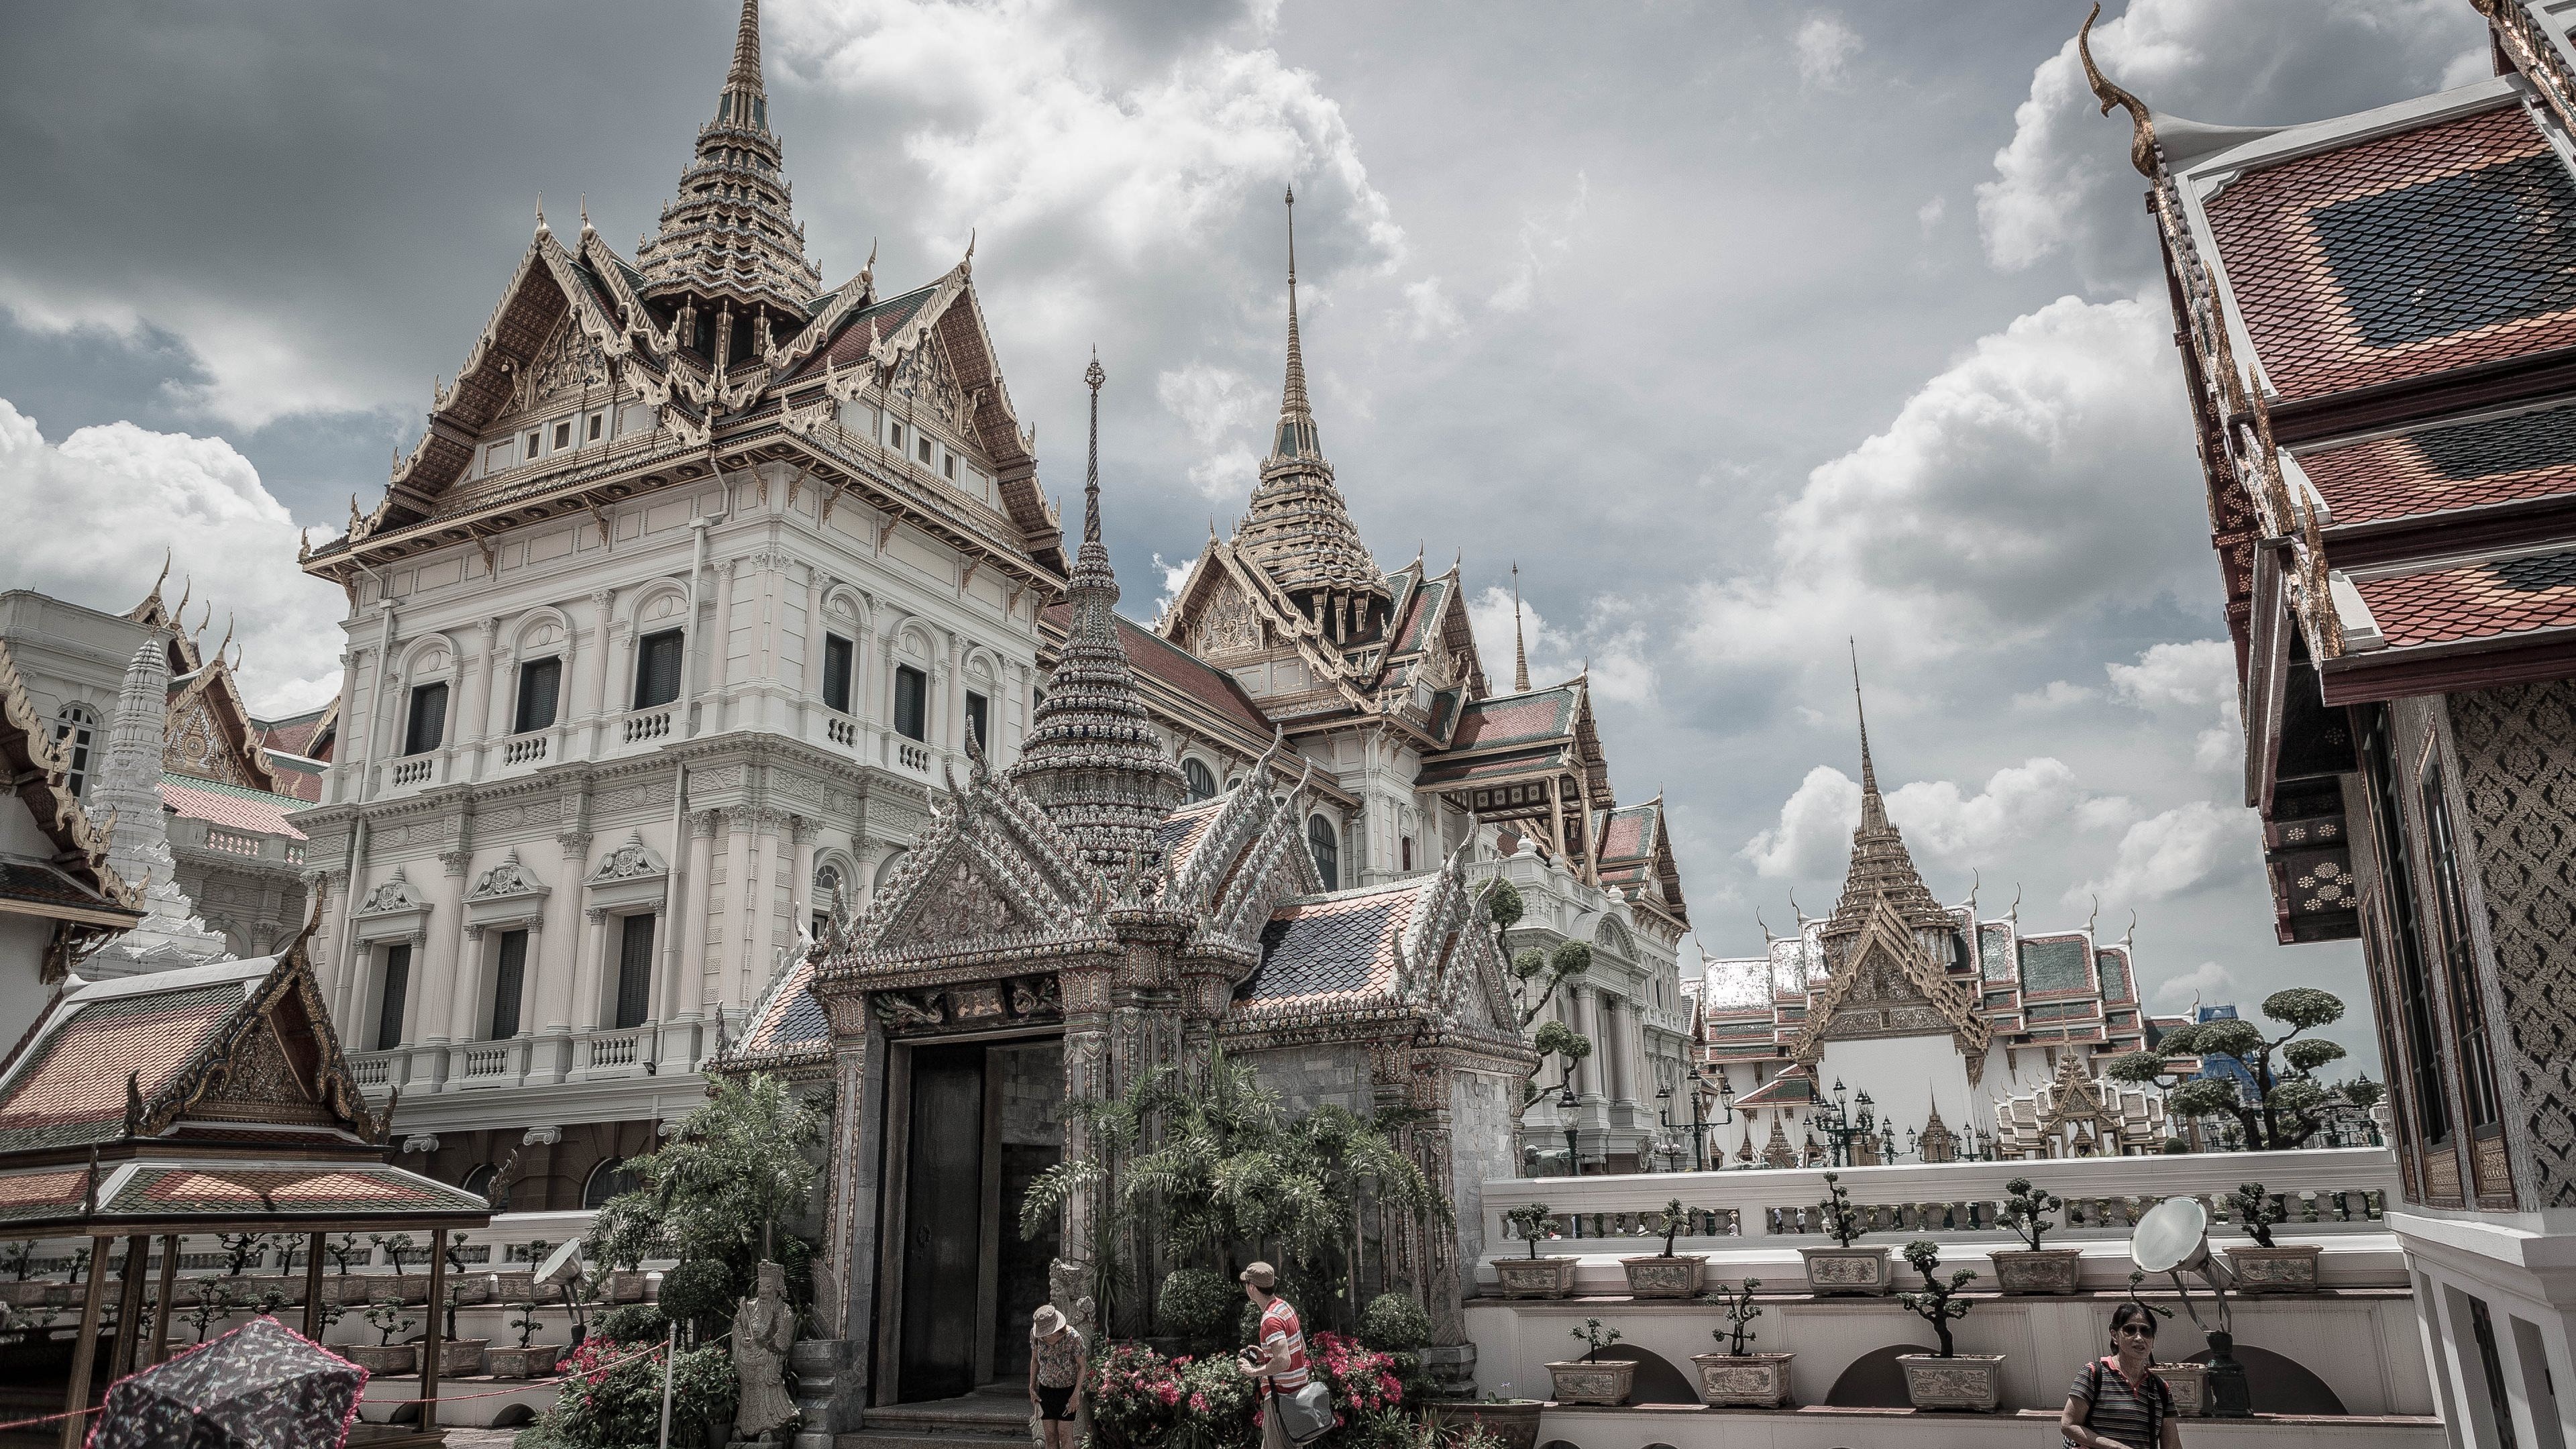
(1218,1408)
(1362,1379)
(1135,1393)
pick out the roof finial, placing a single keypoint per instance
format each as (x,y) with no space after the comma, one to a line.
(1873,810)
(2142,123)
(1091,474)
(1520,650)
(586,228)
(1296,436)
(541,214)
(745,70)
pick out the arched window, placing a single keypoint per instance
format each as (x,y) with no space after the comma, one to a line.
(827,885)
(1326,845)
(606,1181)
(76,730)
(484,1182)
(1201,781)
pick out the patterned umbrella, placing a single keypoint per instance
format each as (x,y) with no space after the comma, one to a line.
(261,1386)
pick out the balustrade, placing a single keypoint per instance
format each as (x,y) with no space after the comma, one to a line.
(414,770)
(841,732)
(232,842)
(523,749)
(915,758)
(647,725)
(618,1049)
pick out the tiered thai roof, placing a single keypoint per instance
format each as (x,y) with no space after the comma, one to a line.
(729,238)
(2377,315)
(1092,759)
(1881,870)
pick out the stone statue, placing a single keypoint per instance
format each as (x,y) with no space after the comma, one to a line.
(764,1329)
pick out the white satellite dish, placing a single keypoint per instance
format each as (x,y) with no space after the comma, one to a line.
(561,1266)
(2172,1234)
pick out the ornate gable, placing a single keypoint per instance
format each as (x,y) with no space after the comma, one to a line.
(1885,986)
(992,877)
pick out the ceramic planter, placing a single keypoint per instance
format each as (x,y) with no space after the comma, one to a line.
(2045,1270)
(517,1287)
(1534,1277)
(524,1363)
(470,1287)
(26,1295)
(1595,1381)
(381,1359)
(1743,1380)
(1848,1270)
(461,1357)
(1661,1277)
(2274,1270)
(1514,1422)
(1962,1381)
(2190,1385)
(625,1288)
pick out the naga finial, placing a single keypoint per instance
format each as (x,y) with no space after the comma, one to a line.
(2142,123)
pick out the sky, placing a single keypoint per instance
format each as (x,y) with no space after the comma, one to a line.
(1758,336)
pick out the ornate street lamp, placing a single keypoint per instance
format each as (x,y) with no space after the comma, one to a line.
(1569,1115)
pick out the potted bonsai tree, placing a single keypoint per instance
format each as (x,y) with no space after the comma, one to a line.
(529,1359)
(397,1249)
(458,1357)
(2034,1269)
(1593,1379)
(1666,1274)
(1948,1379)
(1844,1268)
(2267,1267)
(344,1250)
(214,1304)
(19,1260)
(385,1356)
(1534,1276)
(1738,1376)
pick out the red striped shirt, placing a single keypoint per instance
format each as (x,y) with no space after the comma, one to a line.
(1280,1334)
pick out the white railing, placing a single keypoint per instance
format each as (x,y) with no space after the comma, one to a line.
(524,748)
(2329,1190)
(915,758)
(493,1061)
(372,1069)
(648,725)
(231,841)
(414,770)
(617,1049)
(295,851)
(841,732)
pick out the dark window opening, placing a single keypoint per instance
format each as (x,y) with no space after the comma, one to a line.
(610,1180)
(1408,852)
(76,732)
(509,980)
(2459,954)
(563,434)
(539,682)
(2423,1064)
(597,421)
(976,709)
(839,655)
(911,694)
(428,723)
(2482,1327)
(657,668)
(1324,842)
(1202,783)
(634,970)
(389,1013)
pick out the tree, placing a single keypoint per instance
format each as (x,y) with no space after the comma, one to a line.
(721,1187)
(2289,1103)
(1535,977)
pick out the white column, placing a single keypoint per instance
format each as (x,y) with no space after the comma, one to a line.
(591,693)
(703,825)
(561,966)
(810,691)
(437,989)
(735,930)
(800,887)
(588,990)
(719,651)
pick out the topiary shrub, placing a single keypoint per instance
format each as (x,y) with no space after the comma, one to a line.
(632,1323)
(1197,1304)
(699,1290)
(1395,1323)
(1247,1324)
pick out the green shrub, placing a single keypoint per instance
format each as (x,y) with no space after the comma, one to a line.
(1247,1324)
(622,1407)
(1395,1323)
(632,1323)
(1197,1304)
(698,1290)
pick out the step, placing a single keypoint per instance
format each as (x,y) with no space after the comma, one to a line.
(1005,1414)
(875,1438)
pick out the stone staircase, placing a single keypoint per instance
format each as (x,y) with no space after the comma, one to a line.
(994,1417)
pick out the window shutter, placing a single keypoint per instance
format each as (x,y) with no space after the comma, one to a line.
(389,1018)
(635,971)
(508,981)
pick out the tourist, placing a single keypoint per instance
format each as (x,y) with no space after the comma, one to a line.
(2117,1401)
(1278,1356)
(1058,1369)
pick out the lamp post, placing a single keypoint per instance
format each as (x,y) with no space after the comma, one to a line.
(1569,1115)
(1887,1140)
(1842,1128)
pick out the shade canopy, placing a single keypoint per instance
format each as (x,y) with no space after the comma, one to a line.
(257,1387)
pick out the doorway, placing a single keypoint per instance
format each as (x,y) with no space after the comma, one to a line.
(974,1124)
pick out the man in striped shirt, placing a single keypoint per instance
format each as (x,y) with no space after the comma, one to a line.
(1278,1360)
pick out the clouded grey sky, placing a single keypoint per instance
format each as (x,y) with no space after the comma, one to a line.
(1743,328)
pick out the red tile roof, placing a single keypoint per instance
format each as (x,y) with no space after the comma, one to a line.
(1507,719)
(70,1086)
(2455,465)
(2474,601)
(2344,280)
(1149,654)
(230,807)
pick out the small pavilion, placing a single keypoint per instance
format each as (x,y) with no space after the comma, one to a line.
(206,1100)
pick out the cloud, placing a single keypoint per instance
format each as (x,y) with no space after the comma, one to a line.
(1428,312)
(1824,45)
(1928,215)
(2056,694)
(88,520)
(2198,676)
(2039,799)
(2063,183)
(1176,577)
(2168,854)
(2002,503)
(1613,644)
(1813,837)
(1214,404)
(2206,982)
(1543,239)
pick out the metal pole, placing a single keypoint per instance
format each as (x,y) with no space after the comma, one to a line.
(670,1351)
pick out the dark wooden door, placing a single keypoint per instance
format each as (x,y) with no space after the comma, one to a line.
(943,1223)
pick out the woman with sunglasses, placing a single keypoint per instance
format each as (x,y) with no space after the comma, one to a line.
(2117,1402)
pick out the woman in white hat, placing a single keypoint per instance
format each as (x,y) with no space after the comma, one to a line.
(1059,1370)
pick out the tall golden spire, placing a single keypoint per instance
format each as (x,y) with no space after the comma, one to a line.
(1520,650)
(745,72)
(1881,869)
(1296,437)
(729,240)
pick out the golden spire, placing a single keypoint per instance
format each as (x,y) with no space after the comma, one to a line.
(1520,650)
(1296,418)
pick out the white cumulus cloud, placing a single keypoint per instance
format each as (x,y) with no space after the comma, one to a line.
(89,520)
(1825,44)
(2175,851)
(1611,644)
(2207,982)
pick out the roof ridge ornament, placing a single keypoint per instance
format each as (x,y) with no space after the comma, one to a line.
(2142,122)
(1520,650)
